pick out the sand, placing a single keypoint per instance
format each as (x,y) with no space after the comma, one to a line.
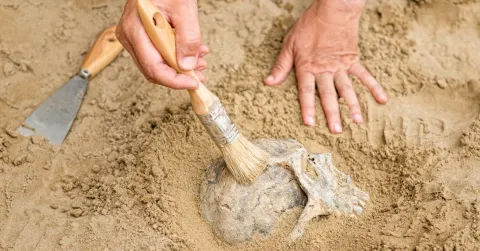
(128,176)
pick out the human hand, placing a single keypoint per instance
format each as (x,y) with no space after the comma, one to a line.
(183,16)
(323,47)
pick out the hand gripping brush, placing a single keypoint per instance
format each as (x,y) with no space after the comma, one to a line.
(244,160)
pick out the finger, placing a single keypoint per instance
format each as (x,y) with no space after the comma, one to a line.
(346,91)
(282,67)
(187,34)
(329,101)
(155,70)
(203,51)
(200,76)
(121,38)
(306,94)
(359,71)
(129,48)
(201,64)
(135,59)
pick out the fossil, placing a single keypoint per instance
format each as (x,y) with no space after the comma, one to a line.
(293,178)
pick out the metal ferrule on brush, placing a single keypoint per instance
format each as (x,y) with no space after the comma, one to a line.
(220,127)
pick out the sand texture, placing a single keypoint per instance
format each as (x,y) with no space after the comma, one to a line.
(128,176)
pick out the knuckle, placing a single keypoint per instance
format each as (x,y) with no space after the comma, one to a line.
(345,88)
(330,113)
(151,73)
(306,88)
(348,87)
(122,33)
(191,40)
(279,66)
(119,33)
(288,41)
(189,44)
(327,92)
(307,108)
(283,64)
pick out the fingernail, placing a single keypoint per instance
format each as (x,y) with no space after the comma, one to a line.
(383,97)
(358,118)
(337,128)
(310,121)
(188,63)
(270,78)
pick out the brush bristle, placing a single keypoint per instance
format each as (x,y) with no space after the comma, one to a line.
(245,161)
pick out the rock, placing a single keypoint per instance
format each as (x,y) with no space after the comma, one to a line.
(20,160)
(11,132)
(288,7)
(76,205)
(238,212)
(107,151)
(95,169)
(36,139)
(76,212)
(9,69)
(242,33)
(47,165)
(25,66)
(67,187)
(30,158)
(112,156)
(442,83)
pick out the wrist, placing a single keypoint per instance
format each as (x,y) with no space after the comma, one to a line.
(341,12)
(347,5)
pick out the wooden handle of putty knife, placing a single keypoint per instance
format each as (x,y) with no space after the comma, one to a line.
(103,52)
(163,37)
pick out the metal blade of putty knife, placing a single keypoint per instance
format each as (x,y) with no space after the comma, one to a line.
(54,117)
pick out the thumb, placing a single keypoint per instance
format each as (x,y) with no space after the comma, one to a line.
(187,34)
(282,68)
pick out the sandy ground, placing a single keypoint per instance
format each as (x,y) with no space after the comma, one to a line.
(128,176)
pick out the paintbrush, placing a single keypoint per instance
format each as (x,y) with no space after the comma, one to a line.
(244,160)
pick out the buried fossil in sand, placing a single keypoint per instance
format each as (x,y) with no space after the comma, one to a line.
(237,212)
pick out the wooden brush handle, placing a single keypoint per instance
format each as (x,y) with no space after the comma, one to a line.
(103,52)
(163,37)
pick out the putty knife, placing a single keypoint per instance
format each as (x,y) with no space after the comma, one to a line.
(54,117)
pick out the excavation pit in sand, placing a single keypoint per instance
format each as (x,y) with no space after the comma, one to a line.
(237,212)
(136,157)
